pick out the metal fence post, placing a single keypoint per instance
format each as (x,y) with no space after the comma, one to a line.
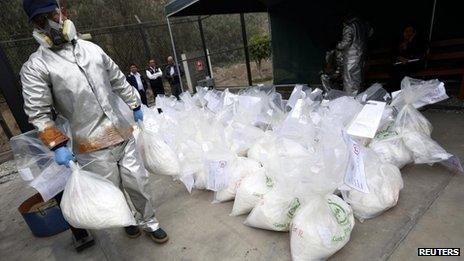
(187,72)
(245,46)
(143,33)
(203,44)
(175,54)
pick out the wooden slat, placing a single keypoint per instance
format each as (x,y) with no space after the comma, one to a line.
(384,61)
(438,72)
(445,56)
(429,72)
(450,42)
(378,75)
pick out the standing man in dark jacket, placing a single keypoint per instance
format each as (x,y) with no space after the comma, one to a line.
(173,76)
(353,46)
(135,79)
(155,74)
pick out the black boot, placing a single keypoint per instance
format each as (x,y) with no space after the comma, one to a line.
(132,231)
(82,239)
(159,236)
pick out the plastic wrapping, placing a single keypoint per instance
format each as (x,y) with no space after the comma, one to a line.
(384,182)
(240,169)
(92,202)
(271,146)
(410,119)
(274,211)
(320,228)
(418,93)
(252,188)
(157,156)
(35,162)
(390,148)
(375,93)
(240,137)
(424,149)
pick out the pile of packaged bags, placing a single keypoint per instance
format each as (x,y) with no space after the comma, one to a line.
(286,162)
(290,165)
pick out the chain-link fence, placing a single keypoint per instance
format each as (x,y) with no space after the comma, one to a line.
(139,42)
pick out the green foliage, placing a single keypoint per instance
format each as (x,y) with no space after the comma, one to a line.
(260,49)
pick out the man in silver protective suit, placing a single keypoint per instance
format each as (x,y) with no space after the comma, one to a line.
(354,47)
(77,79)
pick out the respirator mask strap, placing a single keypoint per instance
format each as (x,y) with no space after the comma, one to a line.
(55,33)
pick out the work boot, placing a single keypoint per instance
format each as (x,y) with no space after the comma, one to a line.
(132,231)
(82,239)
(159,236)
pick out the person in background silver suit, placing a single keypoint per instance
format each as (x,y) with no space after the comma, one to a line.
(354,48)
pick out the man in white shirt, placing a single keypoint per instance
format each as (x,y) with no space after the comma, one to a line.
(136,79)
(154,74)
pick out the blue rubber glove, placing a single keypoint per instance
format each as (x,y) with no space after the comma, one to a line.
(63,156)
(138,115)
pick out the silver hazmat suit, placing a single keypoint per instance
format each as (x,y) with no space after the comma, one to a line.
(80,81)
(353,46)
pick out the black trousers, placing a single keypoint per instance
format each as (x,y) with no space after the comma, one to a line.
(157,87)
(143,96)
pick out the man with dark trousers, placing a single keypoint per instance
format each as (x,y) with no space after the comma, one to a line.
(155,74)
(135,79)
(173,76)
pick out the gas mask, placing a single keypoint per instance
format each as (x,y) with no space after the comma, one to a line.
(55,34)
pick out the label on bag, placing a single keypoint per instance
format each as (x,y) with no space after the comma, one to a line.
(453,164)
(368,120)
(355,176)
(217,175)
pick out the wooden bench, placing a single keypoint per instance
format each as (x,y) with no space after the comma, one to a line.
(440,52)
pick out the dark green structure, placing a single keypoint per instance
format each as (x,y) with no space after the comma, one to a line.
(302,31)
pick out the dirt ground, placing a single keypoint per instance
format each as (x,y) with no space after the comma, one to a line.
(235,75)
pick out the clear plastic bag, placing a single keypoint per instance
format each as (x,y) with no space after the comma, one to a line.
(240,137)
(320,228)
(158,157)
(270,146)
(390,148)
(409,119)
(385,183)
(35,162)
(424,149)
(274,211)
(93,202)
(240,168)
(251,189)
(278,206)
(418,93)
(374,93)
